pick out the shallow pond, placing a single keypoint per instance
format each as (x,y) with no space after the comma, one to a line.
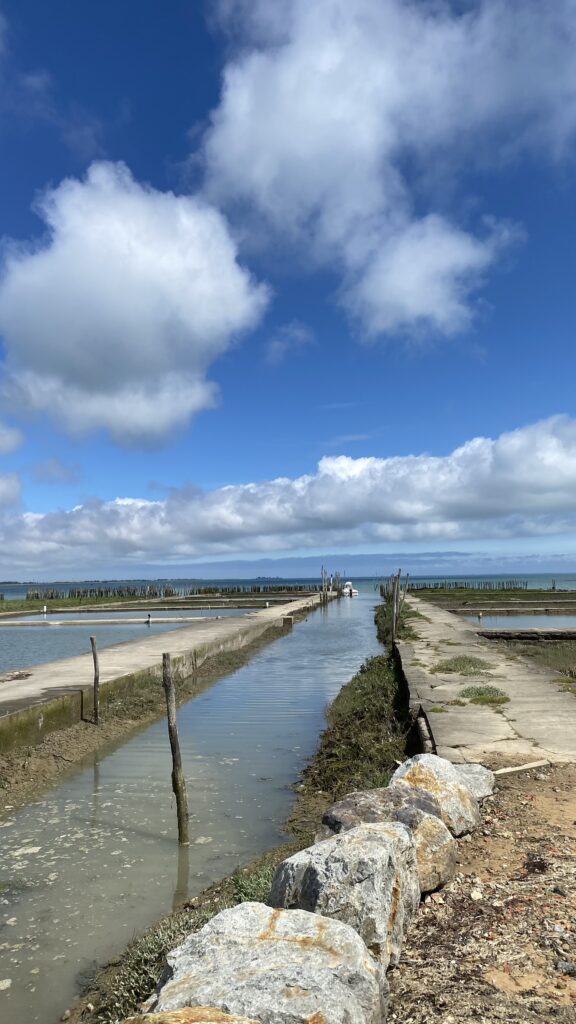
(96,860)
(551,621)
(23,646)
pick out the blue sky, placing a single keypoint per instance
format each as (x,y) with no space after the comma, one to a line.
(280,278)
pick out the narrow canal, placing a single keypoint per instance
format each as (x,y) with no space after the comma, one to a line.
(95,861)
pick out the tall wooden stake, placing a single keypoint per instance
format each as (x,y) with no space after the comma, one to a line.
(96,680)
(178,780)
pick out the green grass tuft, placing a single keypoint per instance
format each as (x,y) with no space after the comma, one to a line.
(485,695)
(254,886)
(463,665)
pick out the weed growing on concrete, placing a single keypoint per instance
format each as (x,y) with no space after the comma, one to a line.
(438,711)
(463,665)
(485,695)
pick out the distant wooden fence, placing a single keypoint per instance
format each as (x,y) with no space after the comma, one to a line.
(469,585)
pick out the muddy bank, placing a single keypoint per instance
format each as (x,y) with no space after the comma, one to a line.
(366,735)
(28,772)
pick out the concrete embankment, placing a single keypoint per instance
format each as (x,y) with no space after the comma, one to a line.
(59,694)
(530,724)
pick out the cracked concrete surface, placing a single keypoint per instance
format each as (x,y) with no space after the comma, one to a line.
(538,722)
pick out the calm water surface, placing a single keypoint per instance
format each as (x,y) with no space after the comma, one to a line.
(97,859)
(23,646)
(551,621)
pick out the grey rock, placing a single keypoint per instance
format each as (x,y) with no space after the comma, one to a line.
(413,807)
(480,780)
(278,966)
(566,967)
(436,851)
(460,811)
(377,805)
(190,1015)
(366,877)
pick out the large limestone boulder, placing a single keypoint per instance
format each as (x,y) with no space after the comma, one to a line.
(436,852)
(459,806)
(480,780)
(392,803)
(190,1015)
(277,966)
(417,809)
(366,877)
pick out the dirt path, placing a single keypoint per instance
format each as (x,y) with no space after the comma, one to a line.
(499,943)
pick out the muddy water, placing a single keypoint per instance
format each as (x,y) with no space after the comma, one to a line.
(96,861)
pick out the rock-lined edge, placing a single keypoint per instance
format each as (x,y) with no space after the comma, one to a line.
(459,806)
(279,966)
(417,809)
(319,971)
(365,877)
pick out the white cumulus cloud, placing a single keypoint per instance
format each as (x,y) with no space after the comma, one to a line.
(521,484)
(113,320)
(335,114)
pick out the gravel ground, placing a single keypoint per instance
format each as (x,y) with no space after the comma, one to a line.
(499,943)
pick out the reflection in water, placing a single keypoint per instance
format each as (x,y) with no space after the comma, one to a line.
(181,888)
(97,860)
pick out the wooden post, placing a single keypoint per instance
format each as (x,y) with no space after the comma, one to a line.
(96,680)
(178,780)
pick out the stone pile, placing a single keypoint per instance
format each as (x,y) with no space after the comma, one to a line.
(338,910)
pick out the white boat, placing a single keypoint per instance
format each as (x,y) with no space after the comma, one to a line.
(348,590)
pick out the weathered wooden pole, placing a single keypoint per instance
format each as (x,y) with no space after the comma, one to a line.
(178,780)
(96,680)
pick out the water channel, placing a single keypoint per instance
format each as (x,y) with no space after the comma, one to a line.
(96,860)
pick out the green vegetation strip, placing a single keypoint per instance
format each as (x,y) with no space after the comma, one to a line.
(366,734)
(406,626)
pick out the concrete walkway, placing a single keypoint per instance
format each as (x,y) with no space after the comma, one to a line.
(57,678)
(538,722)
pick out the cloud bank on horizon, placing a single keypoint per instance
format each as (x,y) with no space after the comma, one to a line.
(521,484)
